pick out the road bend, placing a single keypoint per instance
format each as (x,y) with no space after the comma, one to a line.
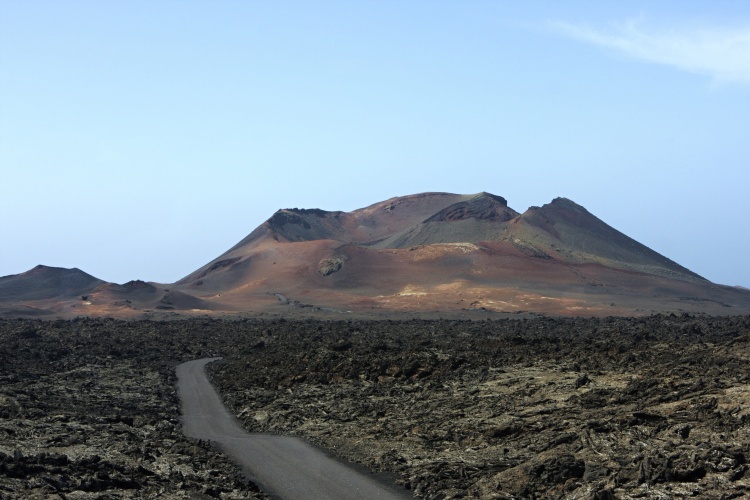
(285,467)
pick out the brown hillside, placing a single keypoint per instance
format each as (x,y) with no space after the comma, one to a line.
(445,253)
(44,282)
(429,254)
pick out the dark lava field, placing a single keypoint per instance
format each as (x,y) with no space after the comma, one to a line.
(653,407)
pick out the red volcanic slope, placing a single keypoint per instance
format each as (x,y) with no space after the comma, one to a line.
(448,253)
(430,253)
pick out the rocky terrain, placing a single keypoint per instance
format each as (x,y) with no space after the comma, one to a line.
(88,409)
(657,407)
(653,407)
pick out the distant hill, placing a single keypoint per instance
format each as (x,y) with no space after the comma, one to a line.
(431,254)
(43,282)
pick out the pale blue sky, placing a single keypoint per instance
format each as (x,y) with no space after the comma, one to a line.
(139,140)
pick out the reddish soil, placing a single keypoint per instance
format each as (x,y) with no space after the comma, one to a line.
(430,255)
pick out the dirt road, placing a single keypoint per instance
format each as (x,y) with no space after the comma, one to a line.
(285,467)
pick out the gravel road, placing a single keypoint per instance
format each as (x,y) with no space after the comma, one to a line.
(285,467)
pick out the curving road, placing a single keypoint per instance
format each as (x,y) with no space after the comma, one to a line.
(285,467)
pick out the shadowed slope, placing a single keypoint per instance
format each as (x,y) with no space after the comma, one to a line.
(43,282)
(140,295)
(568,231)
(482,217)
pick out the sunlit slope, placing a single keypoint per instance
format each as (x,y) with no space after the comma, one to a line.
(429,253)
(444,251)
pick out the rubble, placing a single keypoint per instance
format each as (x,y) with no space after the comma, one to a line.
(653,407)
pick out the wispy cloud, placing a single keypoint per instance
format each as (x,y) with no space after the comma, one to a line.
(721,54)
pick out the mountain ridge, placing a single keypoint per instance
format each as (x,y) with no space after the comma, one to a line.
(441,252)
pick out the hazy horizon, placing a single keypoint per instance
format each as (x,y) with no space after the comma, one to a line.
(141,140)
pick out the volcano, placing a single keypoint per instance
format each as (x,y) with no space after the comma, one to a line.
(447,253)
(433,254)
